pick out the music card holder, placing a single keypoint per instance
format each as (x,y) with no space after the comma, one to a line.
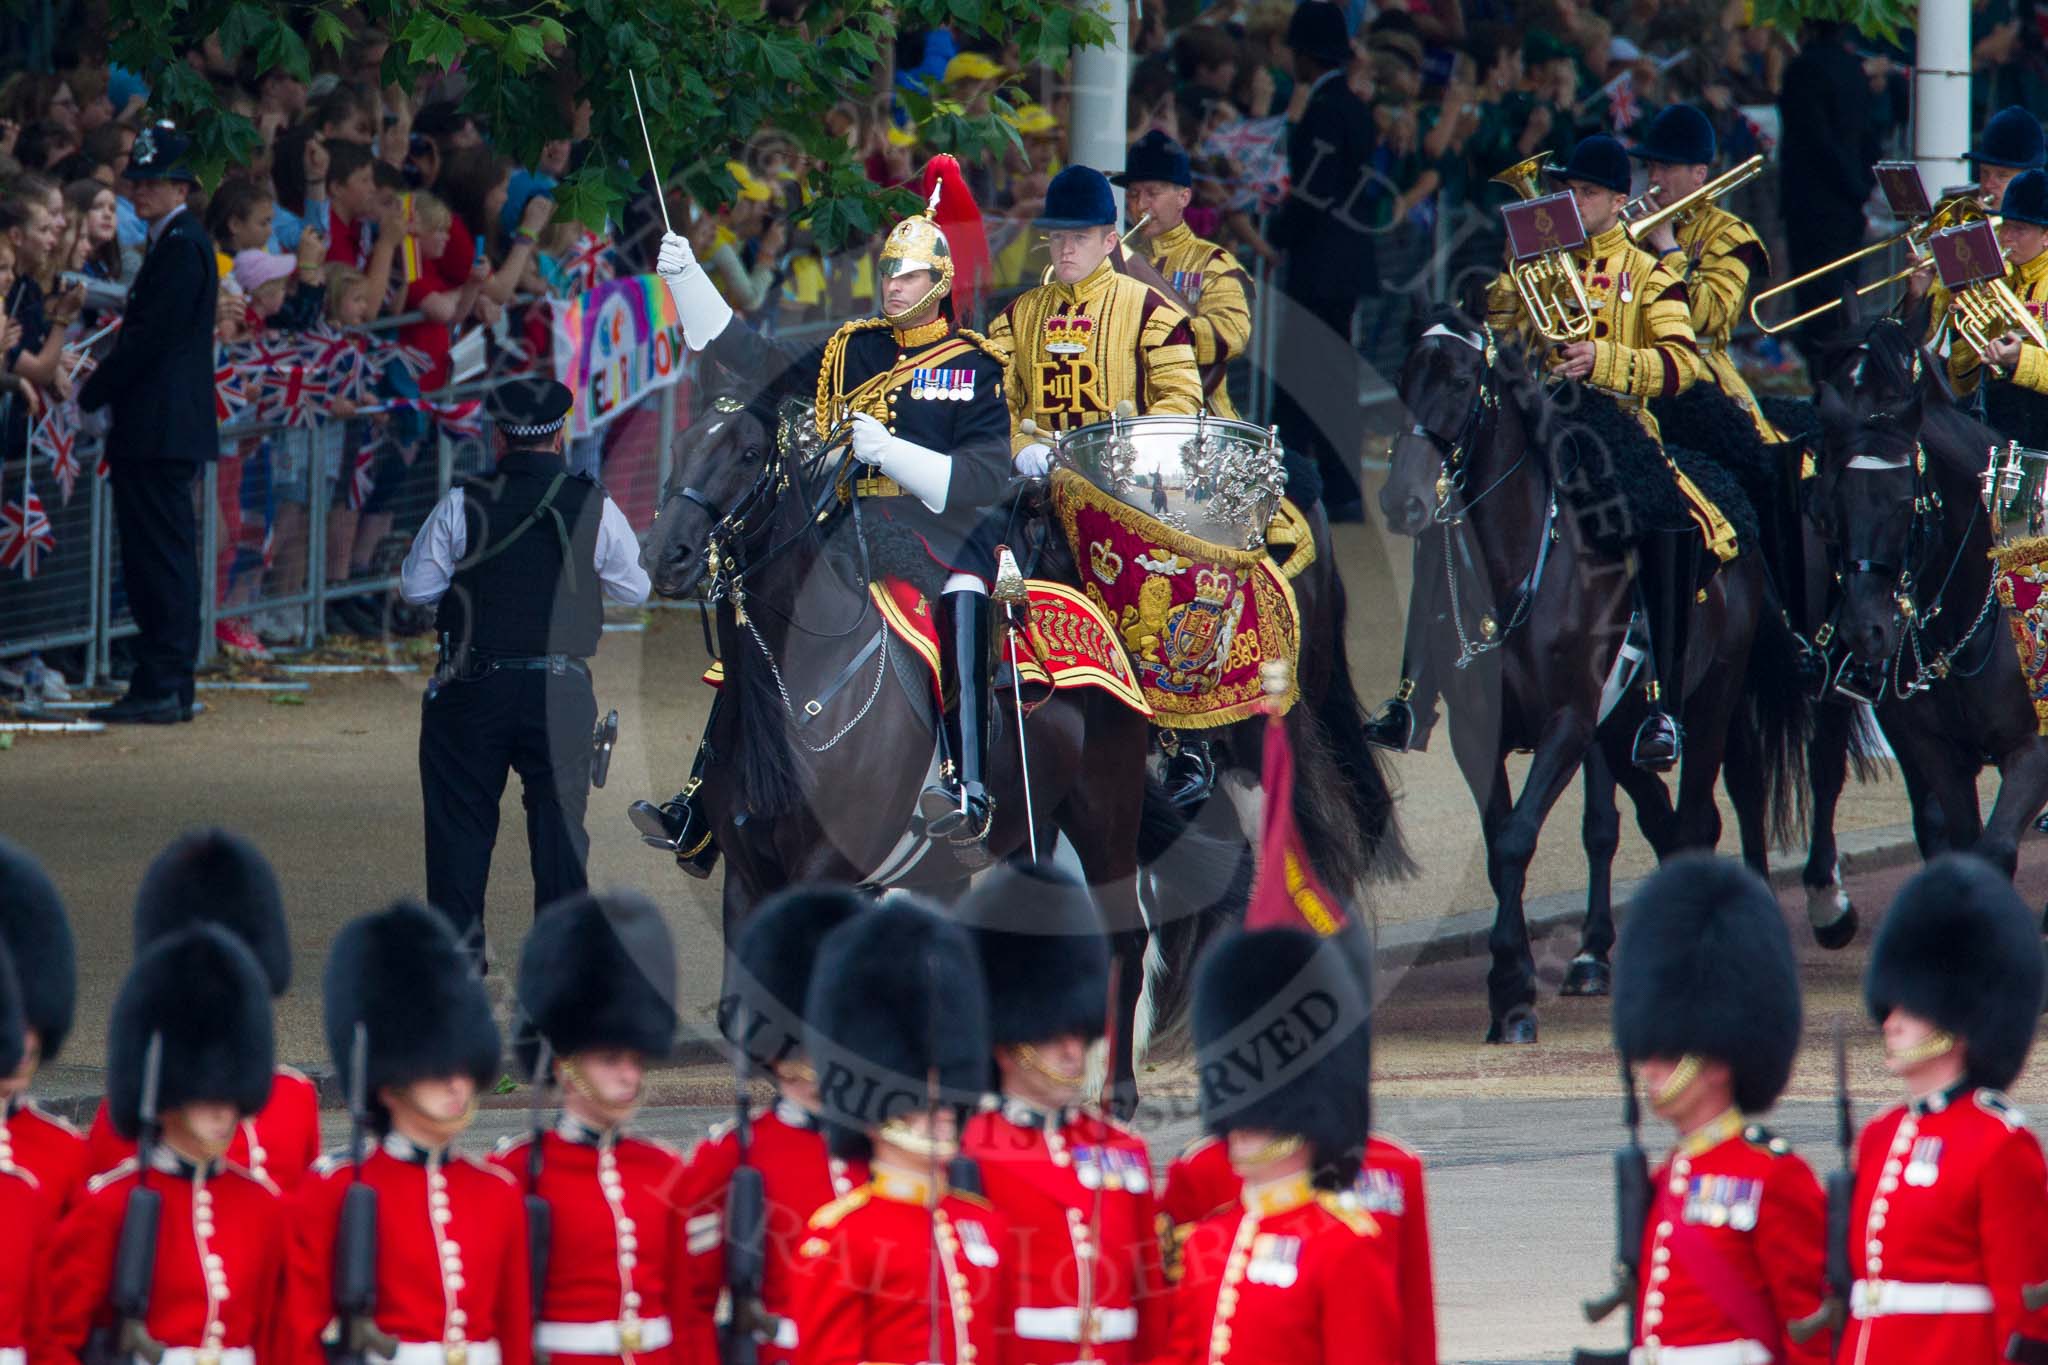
(1903,188)
(1537,227)
(1967,255)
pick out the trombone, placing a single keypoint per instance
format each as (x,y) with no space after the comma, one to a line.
(1551,290)
(1647,219)
(1122,241)
(1953,211)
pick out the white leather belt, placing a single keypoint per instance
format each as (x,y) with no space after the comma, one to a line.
(600,1338)
(785,1333)
(434,1353)
(179,1355)
(1064,1324)
(13,1355)
(1891,1298)
(1714,1353)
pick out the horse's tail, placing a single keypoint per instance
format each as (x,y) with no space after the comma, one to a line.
(1779,713)
(1367,791)
(1201,875)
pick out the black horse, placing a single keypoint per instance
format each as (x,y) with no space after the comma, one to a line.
(1899,504)
(817,764)
(1532,651)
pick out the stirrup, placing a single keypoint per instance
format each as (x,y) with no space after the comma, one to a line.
(678,827)
(1659,743)
(1190,773)
(956,815)
(1392,726)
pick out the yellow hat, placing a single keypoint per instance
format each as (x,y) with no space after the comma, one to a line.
(751,185)
(1030,119)
(971,66)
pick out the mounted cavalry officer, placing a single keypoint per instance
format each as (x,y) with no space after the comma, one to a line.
(1641,347)
(925,401)
(520,563)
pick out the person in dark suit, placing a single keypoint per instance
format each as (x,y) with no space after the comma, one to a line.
(1323,233)
(1829,143)
(157,384)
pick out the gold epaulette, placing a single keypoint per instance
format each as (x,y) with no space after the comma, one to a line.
(984,345)
(1357,1219)
(832,366)
(828,1215)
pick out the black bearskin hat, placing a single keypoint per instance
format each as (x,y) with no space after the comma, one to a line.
(401,974)
(204,993)
(1706,967)
(1041,939)
(897,993)
(13,1023)
(1960,949)
(774,960)
(218,876)
(1283,1040)
(598,970)
(37,933)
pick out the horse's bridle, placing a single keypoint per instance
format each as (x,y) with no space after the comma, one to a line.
(1452,451)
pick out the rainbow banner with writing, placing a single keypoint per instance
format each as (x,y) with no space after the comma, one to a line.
(614,346)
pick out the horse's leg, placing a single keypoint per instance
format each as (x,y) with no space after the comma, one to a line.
(1742,776)
(1511,982)
(1656,820)
(1828,908)
(2022,790)
(1600,831)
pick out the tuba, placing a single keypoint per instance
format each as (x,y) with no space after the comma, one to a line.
(1982,304)
(1546,279)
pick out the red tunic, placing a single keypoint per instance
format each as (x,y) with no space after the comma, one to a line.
(1390,1188)
(1300,1280)
(1950,1222)
(798,1177)
(1735,1247)
(24,1252)
(51,1150)
(867,1277)
(615,1258)
(219,1259)
(1068,1191)
(459,1276)
(280,1144)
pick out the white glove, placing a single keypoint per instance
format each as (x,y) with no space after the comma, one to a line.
(676,257)
(1034,460)
(870,439)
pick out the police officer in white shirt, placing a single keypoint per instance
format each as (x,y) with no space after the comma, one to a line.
(520,562)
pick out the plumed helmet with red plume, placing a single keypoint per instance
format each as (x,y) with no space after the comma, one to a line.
(947,239)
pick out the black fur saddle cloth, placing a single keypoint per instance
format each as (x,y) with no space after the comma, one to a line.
(1616,482)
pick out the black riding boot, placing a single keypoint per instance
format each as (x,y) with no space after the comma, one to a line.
(1405,719)
(958,809)
(679,823)
(1190,769)
(1668,575)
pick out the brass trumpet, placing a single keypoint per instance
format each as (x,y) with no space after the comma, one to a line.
(1984,312)
(1642,225)
(1550,287)
(1953,211)
(1122,241)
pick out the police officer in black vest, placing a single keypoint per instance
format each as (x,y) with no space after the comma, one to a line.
(521,563)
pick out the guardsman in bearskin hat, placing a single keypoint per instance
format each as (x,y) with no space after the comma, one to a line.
(925,397)
(1092,337)
(518,564)
(1950,1219)
(1294,1271)
(597,983)
(2011,142)
(452,1284)
(189,1057)
(1075,1187)
(1706,1007)
(2016,387)
(28,1217)
(214,876)
(36,932)
(786,1143)
(897,1026)
(1205,280)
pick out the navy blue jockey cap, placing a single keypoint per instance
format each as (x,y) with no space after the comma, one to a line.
(1317,31)
(2012,138)
(1155,156)
(1078,197)
(529,408)
(1597,160)
(160,154)
(2026,199)
(1681,136)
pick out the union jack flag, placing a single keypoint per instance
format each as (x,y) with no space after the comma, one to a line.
(588,263)
(25,534)
(415,361)
(1623,108)
(289,392)
(459,421)
(359,481)
(230,392)
(57,437)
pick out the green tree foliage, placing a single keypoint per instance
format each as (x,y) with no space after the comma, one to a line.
(712,73)
(1872,18)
